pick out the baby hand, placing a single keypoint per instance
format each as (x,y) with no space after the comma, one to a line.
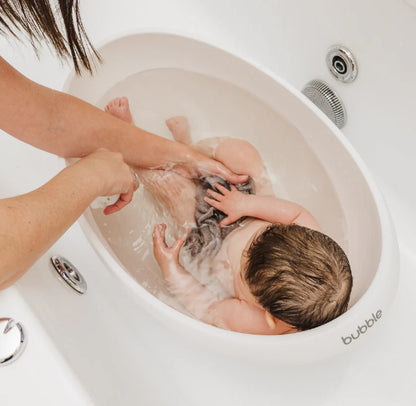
(166,257)
(230,202)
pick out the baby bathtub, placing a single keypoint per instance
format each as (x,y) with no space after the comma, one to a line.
(308,157)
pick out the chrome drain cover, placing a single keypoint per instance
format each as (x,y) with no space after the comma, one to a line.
(12,341)
(69,273)
(341,63)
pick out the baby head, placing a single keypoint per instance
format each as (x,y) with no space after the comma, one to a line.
(298,275)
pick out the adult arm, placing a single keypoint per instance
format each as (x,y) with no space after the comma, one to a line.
(69,127)
(31,223)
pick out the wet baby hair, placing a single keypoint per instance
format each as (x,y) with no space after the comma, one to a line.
(299,275)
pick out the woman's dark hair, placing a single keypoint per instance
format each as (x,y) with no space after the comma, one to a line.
(56,21)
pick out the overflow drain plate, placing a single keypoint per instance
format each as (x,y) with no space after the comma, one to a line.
(12,340)
(69,273)
(341,63)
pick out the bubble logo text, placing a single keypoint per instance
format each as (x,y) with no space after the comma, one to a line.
(362,329)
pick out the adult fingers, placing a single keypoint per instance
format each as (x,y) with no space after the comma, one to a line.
(229,175)
(136,180)
(124,200)
(227,221)
(208,165)
(111,209)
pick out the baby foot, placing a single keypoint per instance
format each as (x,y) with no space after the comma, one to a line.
(179,127)
(119,107)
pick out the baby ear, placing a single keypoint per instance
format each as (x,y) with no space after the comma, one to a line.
(270,320)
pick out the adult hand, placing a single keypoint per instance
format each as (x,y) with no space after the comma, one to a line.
(196,165)
(112,176)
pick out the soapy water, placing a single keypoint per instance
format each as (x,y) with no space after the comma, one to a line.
(214,109)
(160,203)
(173,199)
(152,210)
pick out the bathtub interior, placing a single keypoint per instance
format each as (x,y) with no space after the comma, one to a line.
(165,75)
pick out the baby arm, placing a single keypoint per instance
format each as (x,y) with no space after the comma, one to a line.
(231,314)
(194,296)
(236,204)
(243,317)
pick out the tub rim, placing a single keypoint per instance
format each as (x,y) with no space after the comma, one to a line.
(342,323)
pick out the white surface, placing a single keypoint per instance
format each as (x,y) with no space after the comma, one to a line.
(312,160)
(168,371)
(40,376)
(380,371)
(411,3)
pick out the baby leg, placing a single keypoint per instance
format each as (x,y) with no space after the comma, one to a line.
(179,127)
(119,107)
(173,192)
(238,155)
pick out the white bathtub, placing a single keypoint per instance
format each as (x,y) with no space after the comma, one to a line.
(313,163)
(113,351)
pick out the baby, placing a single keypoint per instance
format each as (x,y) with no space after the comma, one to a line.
(281,272)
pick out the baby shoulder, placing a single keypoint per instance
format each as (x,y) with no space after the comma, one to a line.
(238,315)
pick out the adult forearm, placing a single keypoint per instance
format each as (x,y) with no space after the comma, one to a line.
(69,127)
(31,223)
(78,128)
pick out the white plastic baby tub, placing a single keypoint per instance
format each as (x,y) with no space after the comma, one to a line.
(309,159)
